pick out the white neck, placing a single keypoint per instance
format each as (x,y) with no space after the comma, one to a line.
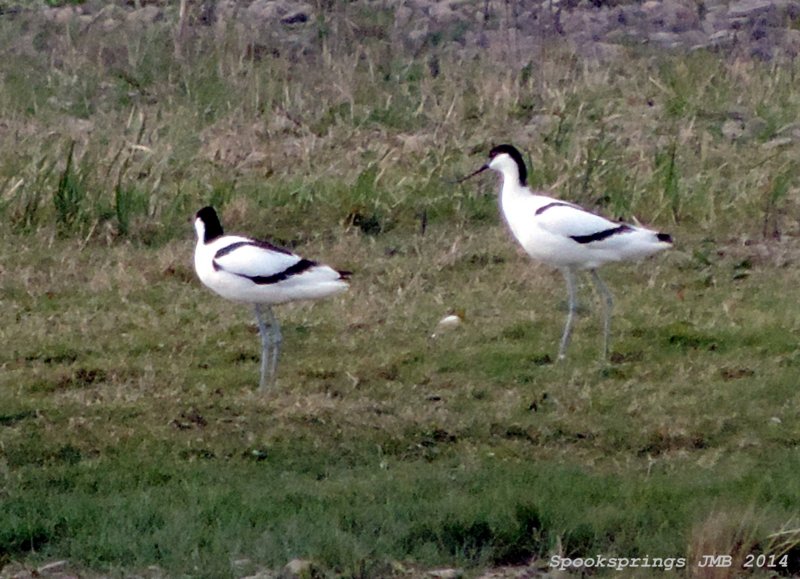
(512,188)
(507,167)
(200,229)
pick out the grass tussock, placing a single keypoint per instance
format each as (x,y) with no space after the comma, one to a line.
(131,437)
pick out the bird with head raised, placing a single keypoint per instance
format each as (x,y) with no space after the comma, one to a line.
(566,236)
(256,272)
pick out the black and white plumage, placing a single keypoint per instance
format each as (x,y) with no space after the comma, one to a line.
(565,235)
(259,273)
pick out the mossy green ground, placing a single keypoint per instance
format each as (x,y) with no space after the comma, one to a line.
(131,432)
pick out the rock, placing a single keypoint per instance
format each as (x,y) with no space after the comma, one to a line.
(714,20)
(732,129)
(265,10)
(62,15)
(286,13)
(771,9)
(264,575)
(651,6)
(441,12)
(666,39)
(298,568)
(722,38)
(296,17)
(447,323)
(145,16)
(52,567)
(446,573)
(671,16)
(17,571)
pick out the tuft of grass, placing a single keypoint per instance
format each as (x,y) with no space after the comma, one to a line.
(668,169)
(775,195)
(70,194)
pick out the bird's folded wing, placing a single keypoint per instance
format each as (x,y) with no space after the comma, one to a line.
(577,224)
(254,260)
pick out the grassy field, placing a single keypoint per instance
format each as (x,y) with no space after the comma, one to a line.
(132,439)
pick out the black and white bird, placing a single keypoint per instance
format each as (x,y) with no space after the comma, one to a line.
(565,235)
(259,273)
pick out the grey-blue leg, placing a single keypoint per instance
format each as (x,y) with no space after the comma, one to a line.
(275,342)
(266,344)
(608,305)
(572,306)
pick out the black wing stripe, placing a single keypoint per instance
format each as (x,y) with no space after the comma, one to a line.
(260,244)
(664,237)
(601,235)
(299,267)
(544,208)
(295,269)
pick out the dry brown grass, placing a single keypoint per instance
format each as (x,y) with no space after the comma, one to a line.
(730,533)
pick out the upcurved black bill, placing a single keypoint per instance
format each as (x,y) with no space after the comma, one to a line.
(481,170)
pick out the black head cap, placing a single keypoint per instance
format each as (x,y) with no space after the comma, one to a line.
(213,227)
(512,152)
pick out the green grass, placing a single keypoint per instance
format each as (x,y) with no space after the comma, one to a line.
(131,435)
(130,441)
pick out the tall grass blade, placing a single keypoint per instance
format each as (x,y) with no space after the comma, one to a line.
(70,194)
